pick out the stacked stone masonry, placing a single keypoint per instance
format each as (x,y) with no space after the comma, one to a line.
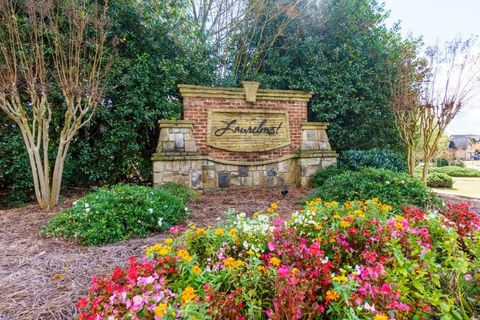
(183,154)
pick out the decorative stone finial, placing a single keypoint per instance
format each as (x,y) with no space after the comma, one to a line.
(250,88)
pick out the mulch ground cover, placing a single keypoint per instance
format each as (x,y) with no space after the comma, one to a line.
(42,278)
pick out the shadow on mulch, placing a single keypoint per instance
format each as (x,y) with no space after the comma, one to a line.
(42,278)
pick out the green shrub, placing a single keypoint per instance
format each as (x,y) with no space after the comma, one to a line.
(373,158)
(393,188)
(323,174)
(118,213)
(439,180)
(185,193)
(454,171)
(442,162)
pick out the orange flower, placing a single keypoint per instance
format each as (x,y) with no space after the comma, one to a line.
(332,295)
(274,261)
(188,294)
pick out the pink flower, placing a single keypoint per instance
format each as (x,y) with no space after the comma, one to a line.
(283,271)
(271,246)
(385,288)
(176,229)
(137,300)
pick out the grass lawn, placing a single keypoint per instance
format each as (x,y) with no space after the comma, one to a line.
(469,187)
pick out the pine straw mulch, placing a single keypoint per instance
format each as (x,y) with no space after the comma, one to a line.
(42,278)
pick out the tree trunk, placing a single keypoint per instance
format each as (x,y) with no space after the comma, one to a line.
(58,173)
(41,180)
(411,160)
(426,165)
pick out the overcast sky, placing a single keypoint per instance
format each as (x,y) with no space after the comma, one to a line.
(441,20)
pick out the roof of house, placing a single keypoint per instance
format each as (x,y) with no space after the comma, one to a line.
(462,141)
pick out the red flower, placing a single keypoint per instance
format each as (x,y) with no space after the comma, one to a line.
(82,303)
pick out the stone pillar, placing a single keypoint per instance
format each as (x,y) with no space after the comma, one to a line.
(315,151)
(176,158)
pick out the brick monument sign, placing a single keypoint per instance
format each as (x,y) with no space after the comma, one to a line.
(241,137)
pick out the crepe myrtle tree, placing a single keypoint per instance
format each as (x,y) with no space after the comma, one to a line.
(453,79)
(49,47)
(406,103)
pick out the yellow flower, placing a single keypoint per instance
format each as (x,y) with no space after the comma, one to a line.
(314,209)
(164,250)
(380,316)
(168,241)
(219,232)
(331,204)
(274,206)
(184,255)
(250,252)
(233,232)
(318,227)
(386,207)
(262,269)
(188,294)
(270,210)
(345,224)
(157,247)
(340,279)
(160,309)
(201,232)
(294,271)
(232,263)
(148,251)
(332,295)
(274,261)
(336,216)
(197,270)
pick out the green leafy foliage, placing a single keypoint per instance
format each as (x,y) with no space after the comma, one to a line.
(157,47)
(373,158)
(341,51)
(454,171)
(185,193)
(394,188)
(324,174)
(118,213)
(442,162)
(439,180)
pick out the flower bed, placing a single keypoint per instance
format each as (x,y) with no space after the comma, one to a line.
(356,260)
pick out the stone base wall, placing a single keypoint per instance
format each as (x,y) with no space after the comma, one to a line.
(206,173)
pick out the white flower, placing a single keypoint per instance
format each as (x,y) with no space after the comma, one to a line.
(87,205)
(160,222)
(74,203)
(186,209)
(325,260)
(150,210)
(87,209)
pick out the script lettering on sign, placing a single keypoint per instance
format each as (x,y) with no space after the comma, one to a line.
(248,130)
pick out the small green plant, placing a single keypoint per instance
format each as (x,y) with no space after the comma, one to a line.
(455,171)
(394,188)
(118,213)
(442,162)
(439,180)
(323,174)
(187,194)
(373,158)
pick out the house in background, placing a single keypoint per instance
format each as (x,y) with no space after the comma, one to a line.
(464,147)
